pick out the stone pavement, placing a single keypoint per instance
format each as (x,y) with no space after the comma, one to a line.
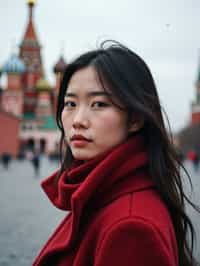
(194,196)
(27,218)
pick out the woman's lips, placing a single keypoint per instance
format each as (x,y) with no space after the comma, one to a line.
(79,143)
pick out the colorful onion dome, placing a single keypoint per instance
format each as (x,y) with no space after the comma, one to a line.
(14,65)
(43,85)
(60,66)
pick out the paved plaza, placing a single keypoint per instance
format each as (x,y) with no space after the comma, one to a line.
(27,218)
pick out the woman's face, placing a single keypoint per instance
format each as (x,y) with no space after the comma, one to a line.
(92,124)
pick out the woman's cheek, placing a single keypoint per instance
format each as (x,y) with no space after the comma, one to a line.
(65,121)
(63,116)
(110,119)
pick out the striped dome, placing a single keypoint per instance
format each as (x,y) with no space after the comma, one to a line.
(43,85)
(14,65)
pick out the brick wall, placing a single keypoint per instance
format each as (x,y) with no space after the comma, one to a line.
(9,133)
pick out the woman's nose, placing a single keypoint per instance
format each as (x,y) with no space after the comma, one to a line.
(81,119)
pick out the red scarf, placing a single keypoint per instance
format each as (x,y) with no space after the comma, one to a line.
(100,181)
(97,175)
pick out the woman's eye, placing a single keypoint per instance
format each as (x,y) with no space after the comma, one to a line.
(99,104)
(70,104)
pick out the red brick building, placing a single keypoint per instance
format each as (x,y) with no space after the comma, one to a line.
(9,133)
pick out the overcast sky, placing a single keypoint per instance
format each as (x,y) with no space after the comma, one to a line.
(164,32)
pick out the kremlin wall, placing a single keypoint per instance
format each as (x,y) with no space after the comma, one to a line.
(28,101)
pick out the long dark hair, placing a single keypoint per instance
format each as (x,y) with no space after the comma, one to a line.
(129,79)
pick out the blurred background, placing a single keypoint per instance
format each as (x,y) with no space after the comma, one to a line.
(38,40)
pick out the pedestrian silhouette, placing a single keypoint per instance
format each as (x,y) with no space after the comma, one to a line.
(193,156)
(36,163)
(6,158)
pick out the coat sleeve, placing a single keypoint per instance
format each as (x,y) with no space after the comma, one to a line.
(134,243)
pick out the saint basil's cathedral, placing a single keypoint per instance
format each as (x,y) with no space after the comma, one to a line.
(28,101)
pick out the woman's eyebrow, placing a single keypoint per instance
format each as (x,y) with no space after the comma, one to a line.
(89,94)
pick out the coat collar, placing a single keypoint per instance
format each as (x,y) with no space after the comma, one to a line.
(97,175)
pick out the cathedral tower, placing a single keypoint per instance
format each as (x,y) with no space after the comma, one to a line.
(30,53)
(196,103)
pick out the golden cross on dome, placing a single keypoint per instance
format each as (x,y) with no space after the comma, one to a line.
(31,2)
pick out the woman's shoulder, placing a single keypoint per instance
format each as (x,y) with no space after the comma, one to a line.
(138,240)
(146,204)
(140,216)
(142,207)
(149,205)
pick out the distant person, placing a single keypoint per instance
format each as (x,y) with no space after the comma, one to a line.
(34,158)
(6,159)
(36,163)
(193,157)
(119,179)
(196,162)
(29,155)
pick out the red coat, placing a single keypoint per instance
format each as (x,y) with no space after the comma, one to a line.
(116,216)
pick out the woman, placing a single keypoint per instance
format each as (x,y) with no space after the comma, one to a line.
(119,177)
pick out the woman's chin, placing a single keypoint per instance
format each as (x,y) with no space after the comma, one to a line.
(88,156)
(82,156)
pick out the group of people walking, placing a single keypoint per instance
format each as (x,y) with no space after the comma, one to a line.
(30,155)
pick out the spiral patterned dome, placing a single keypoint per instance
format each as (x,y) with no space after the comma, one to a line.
(14,65)
(43,85)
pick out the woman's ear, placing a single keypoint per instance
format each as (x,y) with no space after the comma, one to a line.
(136,125)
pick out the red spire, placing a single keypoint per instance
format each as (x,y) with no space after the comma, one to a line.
(30,33)
(30,52)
